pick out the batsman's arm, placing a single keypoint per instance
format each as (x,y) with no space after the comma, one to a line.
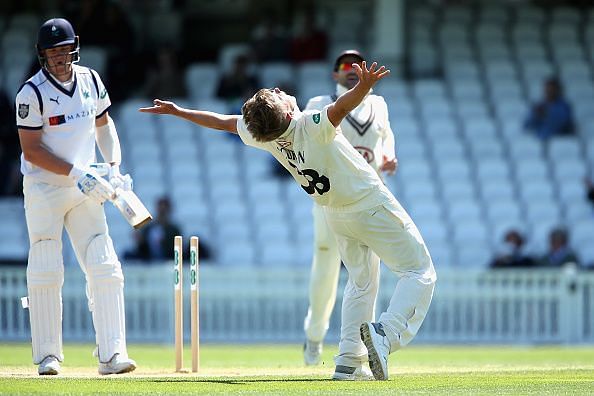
(208,119)
(107,139)
(36,153)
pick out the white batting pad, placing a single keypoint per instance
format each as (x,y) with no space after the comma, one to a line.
(106,281)
(45,277)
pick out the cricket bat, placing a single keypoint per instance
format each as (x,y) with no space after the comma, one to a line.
(131,207)
(128,203)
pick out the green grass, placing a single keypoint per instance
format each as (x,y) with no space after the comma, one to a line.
(278,369)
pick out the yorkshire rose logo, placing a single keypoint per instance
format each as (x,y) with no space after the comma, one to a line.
(316,118)
(23,110)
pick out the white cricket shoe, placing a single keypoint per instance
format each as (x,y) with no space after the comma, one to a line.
(117,365)
(378,349)
(49,366)
(346,373)
(311,352)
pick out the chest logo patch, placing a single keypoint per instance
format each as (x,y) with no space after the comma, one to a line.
(23,110)
(316,118)
(366,153)
(86,94)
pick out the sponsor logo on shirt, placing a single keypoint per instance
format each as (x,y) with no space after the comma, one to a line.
(57,120)
(103,94)
(80,114)
(55,100)
(86,94)
(23,110)
(62,118)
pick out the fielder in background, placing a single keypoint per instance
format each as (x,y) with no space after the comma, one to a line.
(361,212)
(367,128)
(61,111)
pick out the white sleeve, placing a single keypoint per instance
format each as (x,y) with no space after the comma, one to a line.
(388,143)
(319,126)
(245,135)
(109,142)
(28,113)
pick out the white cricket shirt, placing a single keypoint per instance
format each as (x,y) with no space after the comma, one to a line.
(324,163)
(66,118)
(367,127)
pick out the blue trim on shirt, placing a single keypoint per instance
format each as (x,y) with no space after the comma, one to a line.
(103,112)
(29,128)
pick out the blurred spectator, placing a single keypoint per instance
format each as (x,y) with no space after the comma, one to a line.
(10,149)
(559,253)
(270,41)
(552,116)
(590,190)
(310,43)
(511,254)
(106,25)
(165,79)
(155,240)
(238,84)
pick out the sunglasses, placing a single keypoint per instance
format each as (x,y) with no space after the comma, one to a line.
(347,67)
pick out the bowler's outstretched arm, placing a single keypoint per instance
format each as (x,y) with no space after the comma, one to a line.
(208,119)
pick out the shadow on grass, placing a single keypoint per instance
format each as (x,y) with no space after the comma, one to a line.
(238,381)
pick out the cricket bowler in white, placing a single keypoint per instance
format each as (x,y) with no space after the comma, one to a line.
(368,129)
(361,212)
(61,111)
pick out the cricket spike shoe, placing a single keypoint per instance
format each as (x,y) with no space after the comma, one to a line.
(378,349)
(346,373)
(117,365)
(311,352)
(49,366)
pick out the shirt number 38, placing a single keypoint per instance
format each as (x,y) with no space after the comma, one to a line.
(316,183)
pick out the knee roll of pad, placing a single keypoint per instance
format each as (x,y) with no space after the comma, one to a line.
(101,260)
(45,267)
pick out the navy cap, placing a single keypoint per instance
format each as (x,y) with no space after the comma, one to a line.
(346,53)
(54,33)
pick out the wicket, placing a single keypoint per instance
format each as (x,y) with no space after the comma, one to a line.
(179,303)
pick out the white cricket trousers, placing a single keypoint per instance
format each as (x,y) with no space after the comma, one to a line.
(388,231)
(323,280)
(48,209)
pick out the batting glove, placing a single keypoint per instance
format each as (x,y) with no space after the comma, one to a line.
(118,180)
(91,184)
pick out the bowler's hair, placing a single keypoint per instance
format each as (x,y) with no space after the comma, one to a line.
(263,116)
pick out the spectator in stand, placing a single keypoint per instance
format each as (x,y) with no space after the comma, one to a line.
(165,79)
(590,190)
(512,255)
(155,240)
(552,116)
(105,24)
(11,181)
(310,43)
(559,253)
(270,41)
(238,84)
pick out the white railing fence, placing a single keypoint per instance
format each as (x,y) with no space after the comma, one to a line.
(268,305)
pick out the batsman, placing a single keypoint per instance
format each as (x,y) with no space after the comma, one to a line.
(62,111)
